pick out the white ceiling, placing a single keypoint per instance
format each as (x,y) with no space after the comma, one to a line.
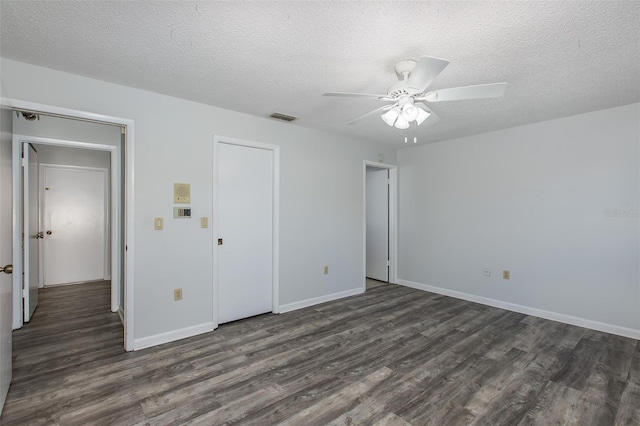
(559,58)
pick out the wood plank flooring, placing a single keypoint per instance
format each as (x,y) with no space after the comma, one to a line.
(391,356)
(371,283)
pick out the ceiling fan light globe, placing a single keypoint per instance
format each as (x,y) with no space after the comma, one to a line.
(409,112)
(390,116)
(422,115)
(401,123)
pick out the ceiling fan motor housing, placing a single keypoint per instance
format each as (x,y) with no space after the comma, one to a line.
(398,91)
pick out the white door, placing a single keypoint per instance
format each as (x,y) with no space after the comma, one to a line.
(6,217)
(31,232)
(74,224)
(378,224)
(245,231)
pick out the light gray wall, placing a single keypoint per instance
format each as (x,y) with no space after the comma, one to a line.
(555,202)
(62,155)
(321,218)
(63,128)
(73,130)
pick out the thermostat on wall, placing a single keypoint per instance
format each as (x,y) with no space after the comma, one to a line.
(182,212)
(181,193)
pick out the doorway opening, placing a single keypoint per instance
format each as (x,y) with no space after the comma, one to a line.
(379,233)
(106,226)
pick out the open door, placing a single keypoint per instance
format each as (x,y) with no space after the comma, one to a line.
(6,242)
(377,223)
(32,234)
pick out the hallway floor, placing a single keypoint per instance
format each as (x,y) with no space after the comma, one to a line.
(371,283)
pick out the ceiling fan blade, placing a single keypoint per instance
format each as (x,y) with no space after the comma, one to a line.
(370,113)
(432,119)
(425,71)
(494,90)
(353,95)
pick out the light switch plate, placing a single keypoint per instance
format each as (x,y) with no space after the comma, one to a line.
(158,224)
(181,193)
(204,222)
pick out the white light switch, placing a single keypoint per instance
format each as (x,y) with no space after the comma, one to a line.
(204,222)
(158,224)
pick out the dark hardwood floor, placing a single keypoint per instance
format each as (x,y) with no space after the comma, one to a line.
(391,356)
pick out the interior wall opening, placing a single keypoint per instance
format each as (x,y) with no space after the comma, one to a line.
(379,224)
(78,230)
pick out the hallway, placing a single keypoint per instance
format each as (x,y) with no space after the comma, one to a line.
(71,333)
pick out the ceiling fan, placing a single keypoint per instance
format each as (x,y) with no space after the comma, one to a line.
(405,101)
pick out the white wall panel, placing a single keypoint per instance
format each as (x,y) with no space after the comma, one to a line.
(555,202)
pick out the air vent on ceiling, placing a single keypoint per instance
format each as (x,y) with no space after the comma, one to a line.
(283,117)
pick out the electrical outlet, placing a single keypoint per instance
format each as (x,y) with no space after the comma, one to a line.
(506,274)
(177,294)
(326,270)
(158,224)
(486,272)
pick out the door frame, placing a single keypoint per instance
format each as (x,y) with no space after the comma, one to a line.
(116,175)
(19,141)
(393,220)
(108,266)
(25,151)
(275,277)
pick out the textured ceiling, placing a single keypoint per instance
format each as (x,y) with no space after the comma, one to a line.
(559,58)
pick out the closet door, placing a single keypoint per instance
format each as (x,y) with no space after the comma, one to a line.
(245,231)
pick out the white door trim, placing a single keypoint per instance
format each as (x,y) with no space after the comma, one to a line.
(393,220)
(25,150)
(128,174)
(18,141)
(275,303)
(109,239)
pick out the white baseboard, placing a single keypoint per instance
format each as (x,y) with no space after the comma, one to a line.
(317,300)
(183,333)
(554,316)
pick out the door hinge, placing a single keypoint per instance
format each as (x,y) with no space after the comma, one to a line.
(388,262)
(24,293)
(23,163)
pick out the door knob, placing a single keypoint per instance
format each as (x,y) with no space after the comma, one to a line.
(7,269)
(49,232)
